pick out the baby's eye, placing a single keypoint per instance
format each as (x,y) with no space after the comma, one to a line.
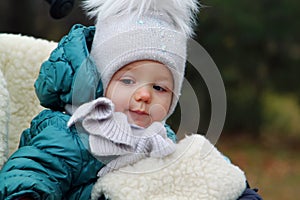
(127,81)
(159,88)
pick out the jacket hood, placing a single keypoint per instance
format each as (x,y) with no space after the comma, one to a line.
(69,70)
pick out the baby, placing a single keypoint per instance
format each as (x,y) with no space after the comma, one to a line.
(109,89)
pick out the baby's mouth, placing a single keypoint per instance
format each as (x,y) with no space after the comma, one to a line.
(138,112)
(139,117)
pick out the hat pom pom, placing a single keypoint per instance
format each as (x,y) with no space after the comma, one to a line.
(182,12)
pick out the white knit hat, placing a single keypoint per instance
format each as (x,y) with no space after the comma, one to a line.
(134,30)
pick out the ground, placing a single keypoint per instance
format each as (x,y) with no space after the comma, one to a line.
(271,166)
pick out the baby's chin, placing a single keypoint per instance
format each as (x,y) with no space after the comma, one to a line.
(138,120)
(139,123)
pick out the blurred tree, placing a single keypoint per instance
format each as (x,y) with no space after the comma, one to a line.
(256,46)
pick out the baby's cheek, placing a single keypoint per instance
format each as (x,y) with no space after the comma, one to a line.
(120,106)
(157,112)
(121,101)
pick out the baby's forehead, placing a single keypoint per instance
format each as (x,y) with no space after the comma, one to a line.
(151,68)
(140,63)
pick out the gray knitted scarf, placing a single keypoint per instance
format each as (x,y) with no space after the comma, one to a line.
(111,136)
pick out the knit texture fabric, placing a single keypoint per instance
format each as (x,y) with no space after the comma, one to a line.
(110,136)
(122,40)
(135,30)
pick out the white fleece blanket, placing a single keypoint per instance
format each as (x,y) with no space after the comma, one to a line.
(197,170)
(4,119)
(20,61)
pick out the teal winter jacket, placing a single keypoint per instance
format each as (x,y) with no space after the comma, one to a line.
(53,161)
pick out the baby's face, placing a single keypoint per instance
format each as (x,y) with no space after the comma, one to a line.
(143,91)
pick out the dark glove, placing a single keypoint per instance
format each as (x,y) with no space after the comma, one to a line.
(250,194)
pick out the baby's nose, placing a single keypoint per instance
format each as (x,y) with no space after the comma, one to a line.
(143,93)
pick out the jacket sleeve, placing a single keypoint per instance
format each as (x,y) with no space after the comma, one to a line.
(52,161)
(54,85)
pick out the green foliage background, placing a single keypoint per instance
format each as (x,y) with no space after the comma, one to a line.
(257,49)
